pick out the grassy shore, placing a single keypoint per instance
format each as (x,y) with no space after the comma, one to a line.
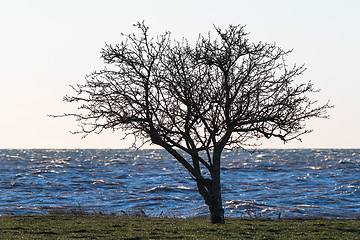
(121,227)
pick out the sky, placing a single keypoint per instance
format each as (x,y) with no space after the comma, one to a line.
(47,45)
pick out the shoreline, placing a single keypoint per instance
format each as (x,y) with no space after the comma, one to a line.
(132,227)
(163,216)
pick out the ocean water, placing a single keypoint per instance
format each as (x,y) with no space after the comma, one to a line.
(266,183)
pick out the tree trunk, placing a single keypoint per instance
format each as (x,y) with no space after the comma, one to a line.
(215,201)
(215,206)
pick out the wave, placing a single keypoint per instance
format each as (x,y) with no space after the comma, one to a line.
(168,189)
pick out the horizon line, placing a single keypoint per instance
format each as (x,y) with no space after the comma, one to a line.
(132,148)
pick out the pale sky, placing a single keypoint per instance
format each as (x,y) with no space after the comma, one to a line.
(47,45)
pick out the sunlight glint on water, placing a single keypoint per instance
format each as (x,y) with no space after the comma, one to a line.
(268,183)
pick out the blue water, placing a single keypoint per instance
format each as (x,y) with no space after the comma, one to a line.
(267,183)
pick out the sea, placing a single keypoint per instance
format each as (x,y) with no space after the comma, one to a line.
(266,183)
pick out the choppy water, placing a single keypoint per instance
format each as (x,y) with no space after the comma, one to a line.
(293,183)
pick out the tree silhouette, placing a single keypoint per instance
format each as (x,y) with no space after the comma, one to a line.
(196,101)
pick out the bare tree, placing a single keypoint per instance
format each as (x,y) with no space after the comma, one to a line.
(196,101)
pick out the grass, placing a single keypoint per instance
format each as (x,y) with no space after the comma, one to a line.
(129,227)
